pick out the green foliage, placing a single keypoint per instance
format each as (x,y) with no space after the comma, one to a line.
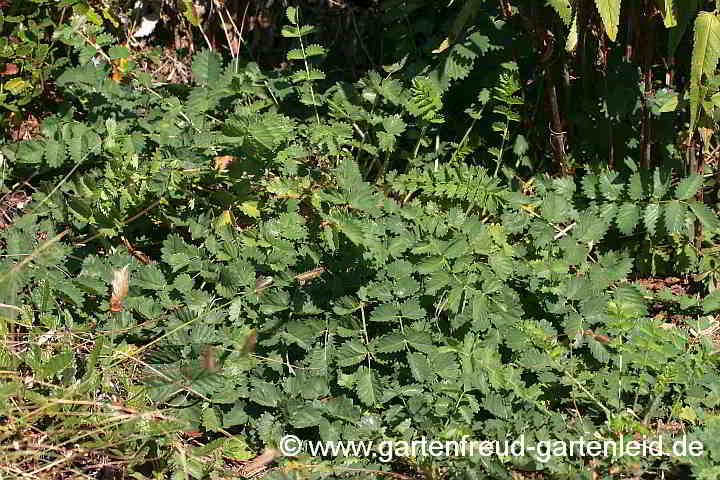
(460,185)
(610,13)
(28,55)
(706,52)
(626,200)
(424,320)
(265,253)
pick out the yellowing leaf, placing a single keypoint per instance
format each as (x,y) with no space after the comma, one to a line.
(225,218)
(120,69)
(16,85)
(442,47)
(688,413)
(667,9)
(237,449)
(572,38)
(610,13)
(222,162)
(108,14)
(250,208)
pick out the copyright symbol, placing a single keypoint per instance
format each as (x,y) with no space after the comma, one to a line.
(290,445)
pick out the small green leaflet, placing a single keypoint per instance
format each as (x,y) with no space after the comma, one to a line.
(711,303)
(367,386)
(688,187)
(652,213)
(627,218)
(420,367)
(207,67)
(675,216)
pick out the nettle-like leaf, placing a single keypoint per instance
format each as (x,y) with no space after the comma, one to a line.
(426,99)
(610,13)
(459,62)
(668,11)
(711,303)
(292,14)
(591,227)
(563,9)
(332,136)
(309,75)
(394,126)
(565,187)
(271,130)
(705,56)
(422,304)
(599,351)
(420,367)
(54,153)
(295,54)
(389,343)
(352,353)
(459,183)
(295,31)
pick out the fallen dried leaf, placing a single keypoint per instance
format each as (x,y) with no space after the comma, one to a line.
(223,161)
(119,290)
(10,69)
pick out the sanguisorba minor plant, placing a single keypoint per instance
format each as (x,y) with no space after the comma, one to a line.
(447,303)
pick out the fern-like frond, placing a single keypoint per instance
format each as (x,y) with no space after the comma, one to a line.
(464,184)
